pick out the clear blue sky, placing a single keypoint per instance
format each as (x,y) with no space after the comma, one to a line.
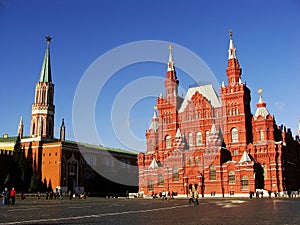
(266,35)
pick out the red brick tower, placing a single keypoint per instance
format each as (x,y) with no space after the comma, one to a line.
(235,98)
(266,152)
(42,119)
(168,111)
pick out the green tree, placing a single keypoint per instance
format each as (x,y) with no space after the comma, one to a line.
(21,170)
(36,183)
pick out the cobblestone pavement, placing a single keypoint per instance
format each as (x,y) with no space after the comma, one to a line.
(148,211)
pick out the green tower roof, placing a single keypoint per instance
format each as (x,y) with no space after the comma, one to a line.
(46,68)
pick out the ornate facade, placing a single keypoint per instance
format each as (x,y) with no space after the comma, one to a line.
(214,142)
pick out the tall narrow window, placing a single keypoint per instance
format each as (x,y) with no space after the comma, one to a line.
(234,135)
(199,138)
(212,172)
(190,139)
(161,180)
(197,161)
(175,174)
(261,135)
(207,137)
(231,177)
(168,141)
(245,185)
(151,186)
(191,160)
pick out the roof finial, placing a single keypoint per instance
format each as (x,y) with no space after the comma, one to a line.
(171,60)
(231,50)
(230,34)
(259,91)
(48,38)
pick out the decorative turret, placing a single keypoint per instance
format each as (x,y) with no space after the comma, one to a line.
(261,107)
(63,131)
(154,123)
(263,122)
(171,82)
(236,99)
(42,119)
(233,70)
(20,128)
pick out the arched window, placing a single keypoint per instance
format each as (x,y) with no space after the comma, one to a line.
(161,180)
(212,172)
(236,111)
(245,184)
(168,141)
(261,135)
(207,137)
(234,135)
(190,139)
(199,138)
(175,174)
(197,161)
(191,160)
(231,177)
(150,185)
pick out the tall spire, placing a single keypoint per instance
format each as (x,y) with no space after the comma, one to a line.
(233,70)
(62,130)
(171,60)
(46,67)
(231,50)
(20,128)
(43,109)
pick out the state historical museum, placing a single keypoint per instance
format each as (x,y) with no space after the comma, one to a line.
(215,143)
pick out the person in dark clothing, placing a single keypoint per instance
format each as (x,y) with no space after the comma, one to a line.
(5,194)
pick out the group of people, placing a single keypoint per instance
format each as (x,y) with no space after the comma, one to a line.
(164,195)
(9,197)
(193,196)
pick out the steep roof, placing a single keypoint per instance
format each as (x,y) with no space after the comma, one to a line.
(261,109)
(45,75)
(206,91)
(245,158)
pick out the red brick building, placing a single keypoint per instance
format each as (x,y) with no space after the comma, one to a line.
(66,164)
(214,141)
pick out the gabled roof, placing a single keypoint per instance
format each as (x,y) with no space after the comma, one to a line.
(245,158)
(206,91)
(154,164)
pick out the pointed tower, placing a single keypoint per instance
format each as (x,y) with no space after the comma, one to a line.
(171,82)
(233,70)
(236,98)
(152,133)
(42,118)
(20,128)
(62,130)
(262,122)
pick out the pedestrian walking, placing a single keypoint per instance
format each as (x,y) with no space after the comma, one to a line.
(5,194)
(191,197)
(195,193)
(13,195)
